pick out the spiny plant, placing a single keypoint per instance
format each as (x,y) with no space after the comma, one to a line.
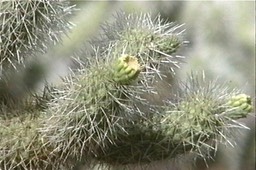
(123,127)
(105,98)
(101,113)
(28,27)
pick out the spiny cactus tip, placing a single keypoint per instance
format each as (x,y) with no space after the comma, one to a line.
(127,69)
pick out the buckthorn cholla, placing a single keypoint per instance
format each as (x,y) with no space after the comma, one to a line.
(101,113)
(29,27)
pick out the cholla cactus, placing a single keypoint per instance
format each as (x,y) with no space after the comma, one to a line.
(138,35)
(22,146)
(100,113)
(27,27)
(194,123)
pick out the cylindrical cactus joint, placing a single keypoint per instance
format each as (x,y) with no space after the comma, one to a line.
(126,69)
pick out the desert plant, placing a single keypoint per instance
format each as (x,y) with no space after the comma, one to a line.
(28,29)
(102,112)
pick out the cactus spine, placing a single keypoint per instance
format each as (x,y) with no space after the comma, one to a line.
(99,112)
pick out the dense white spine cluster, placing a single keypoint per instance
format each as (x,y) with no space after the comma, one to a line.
(106,111)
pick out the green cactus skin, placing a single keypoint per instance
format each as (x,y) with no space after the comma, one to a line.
(126,69)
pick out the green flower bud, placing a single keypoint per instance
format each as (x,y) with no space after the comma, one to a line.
(126,69)
(241,104)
